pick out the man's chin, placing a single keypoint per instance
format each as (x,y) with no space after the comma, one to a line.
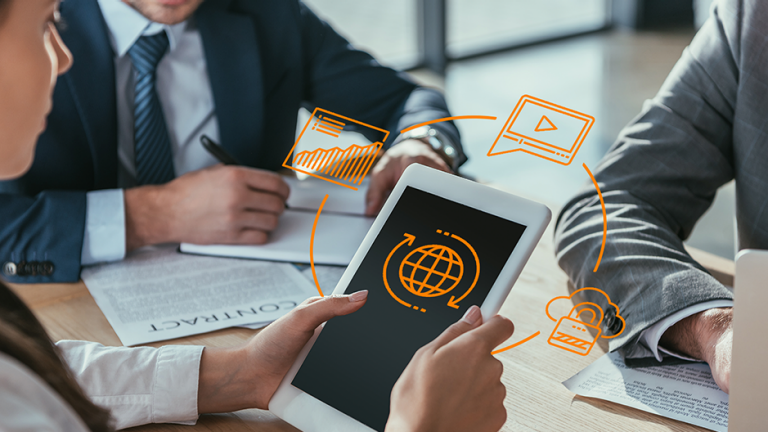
(175,3)
(14,169)
(168,12)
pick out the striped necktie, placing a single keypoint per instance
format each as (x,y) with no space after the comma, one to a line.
(153,155)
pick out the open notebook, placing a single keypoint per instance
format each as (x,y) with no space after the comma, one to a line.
(340,229)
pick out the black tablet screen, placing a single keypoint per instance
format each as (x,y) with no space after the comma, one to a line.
(432,260)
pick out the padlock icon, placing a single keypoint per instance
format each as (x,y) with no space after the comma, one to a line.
(572,332)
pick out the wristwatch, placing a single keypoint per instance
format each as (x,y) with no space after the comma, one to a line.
(440,143)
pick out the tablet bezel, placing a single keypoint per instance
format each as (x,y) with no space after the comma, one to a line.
(308,413)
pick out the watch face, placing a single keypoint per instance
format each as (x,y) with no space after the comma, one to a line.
(446,152)
(436,143)
(422,132)
(431,136)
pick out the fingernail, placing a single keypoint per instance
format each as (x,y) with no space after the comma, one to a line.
(472,315)
(358,296)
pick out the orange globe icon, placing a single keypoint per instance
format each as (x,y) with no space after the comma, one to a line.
(431,270)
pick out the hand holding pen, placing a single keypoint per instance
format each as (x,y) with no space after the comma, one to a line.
(217,151)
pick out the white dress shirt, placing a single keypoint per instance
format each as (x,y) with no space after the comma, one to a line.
(185,94)
(138,385)
(651,336)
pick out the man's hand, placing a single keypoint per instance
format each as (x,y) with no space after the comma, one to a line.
(454,383)
(246,377)
(221,204)
(390,168)
(707,336)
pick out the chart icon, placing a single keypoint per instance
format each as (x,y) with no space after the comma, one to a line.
(543,129)
(322,150)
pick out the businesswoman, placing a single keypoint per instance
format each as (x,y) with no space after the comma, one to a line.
(451,384)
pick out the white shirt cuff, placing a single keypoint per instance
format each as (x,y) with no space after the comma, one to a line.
(138,385)
(652,335)
(175,392)
(104,238)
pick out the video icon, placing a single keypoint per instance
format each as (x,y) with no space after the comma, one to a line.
(543,129)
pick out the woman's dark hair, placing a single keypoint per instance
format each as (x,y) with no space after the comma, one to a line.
(24,338)
(3,7)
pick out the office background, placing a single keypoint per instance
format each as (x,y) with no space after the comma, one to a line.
(600,57)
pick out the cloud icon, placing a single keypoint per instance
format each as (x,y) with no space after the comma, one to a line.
(591,307)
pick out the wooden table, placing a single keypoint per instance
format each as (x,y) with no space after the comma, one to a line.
(533,372)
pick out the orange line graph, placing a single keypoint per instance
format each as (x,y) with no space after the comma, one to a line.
(320,165)
(350,164)
(465,117)
(605,218)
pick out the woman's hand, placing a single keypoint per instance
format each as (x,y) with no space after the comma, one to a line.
(454,383)
(232,379)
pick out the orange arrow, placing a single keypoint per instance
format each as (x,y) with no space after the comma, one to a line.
(408,239)
(312,246)
(549,127)
(454,302)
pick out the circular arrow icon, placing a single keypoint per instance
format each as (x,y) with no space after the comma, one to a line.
(431,271)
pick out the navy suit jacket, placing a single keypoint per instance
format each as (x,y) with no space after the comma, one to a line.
(265,59)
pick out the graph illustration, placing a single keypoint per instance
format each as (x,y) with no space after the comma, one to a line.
(349,165)
(325,151)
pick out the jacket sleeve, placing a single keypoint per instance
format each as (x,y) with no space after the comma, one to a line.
(344,79)
(138,385)
(657,181)
(41,236)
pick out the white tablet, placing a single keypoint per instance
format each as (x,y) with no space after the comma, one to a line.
(440,245)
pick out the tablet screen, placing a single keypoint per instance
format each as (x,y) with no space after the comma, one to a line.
(432,260)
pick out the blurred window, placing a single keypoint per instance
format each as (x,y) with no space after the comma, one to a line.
(385,28)
(389,29)
(477,26)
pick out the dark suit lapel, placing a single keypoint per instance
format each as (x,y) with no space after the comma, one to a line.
(234,68)
(92,83)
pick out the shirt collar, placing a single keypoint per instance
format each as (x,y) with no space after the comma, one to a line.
(126,25)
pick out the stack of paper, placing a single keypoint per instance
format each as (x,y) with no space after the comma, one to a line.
(683,392)
(159,294)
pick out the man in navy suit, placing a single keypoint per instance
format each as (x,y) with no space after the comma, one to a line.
(120,165)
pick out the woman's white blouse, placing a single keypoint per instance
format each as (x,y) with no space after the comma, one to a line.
(138,385)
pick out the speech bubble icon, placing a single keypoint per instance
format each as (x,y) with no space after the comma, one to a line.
(543,129)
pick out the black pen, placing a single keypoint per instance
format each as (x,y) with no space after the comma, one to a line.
(217,151)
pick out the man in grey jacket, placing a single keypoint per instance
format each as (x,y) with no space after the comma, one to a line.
(707,125)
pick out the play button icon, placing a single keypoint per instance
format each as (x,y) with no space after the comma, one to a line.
(543,129)
(545,125)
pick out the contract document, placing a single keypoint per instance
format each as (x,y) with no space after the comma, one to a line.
(160,294)
(682,392)
(327,276)
(340,228)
